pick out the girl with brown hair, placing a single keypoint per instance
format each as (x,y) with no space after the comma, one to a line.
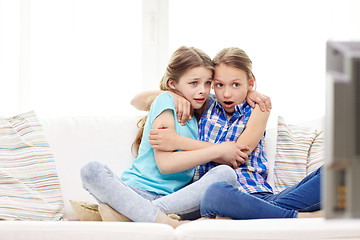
(157,184)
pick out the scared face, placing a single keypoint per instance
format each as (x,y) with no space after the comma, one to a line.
(194,85)
(231,86)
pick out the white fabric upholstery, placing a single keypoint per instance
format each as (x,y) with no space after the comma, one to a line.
(76,141)
(268,229)
(71,230)
(79,140)
(270,151)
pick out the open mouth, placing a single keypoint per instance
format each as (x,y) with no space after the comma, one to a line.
(199,100)
(228,104)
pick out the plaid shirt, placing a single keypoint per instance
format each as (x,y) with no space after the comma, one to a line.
(215,127)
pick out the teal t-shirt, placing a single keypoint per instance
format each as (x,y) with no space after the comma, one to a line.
(144,173)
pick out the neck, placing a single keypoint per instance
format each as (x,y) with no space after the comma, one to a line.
(229,115)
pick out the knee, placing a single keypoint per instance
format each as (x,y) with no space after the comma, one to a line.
(90,172)
(215,191)
(213,197)
(226,174)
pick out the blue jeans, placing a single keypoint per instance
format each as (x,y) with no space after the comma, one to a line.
(222,199)
(143,206)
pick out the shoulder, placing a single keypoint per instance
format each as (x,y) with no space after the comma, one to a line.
(164,97)
(245,108)
(162,102)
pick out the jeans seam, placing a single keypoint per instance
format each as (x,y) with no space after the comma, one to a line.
(301,209)
(295,211)
(309,207)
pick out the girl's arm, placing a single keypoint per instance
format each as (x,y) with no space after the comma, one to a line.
(172,162)
(167,139)
(262,100)
(254,130)
(143,100)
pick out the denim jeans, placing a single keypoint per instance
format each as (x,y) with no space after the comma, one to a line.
(143,206)
(222,199)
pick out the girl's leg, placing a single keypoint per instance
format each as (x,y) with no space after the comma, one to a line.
(225,200)
(107,188)
(187,200)
(303,196)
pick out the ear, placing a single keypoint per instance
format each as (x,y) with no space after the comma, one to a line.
(251,83)
(171,84)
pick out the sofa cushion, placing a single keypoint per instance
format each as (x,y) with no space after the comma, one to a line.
(299,151)
(86,211)
(316,153)
(76,141)
(29,185)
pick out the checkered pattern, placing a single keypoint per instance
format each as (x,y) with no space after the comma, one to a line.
(215,127)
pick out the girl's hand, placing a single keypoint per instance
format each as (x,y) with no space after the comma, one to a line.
(233,153)
(164,139)
(182,108)
(263,101)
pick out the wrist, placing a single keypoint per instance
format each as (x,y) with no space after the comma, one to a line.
(215,152)
(180,142)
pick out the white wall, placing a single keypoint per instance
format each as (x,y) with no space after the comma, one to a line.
(72,57)
(286,41)
(89,57)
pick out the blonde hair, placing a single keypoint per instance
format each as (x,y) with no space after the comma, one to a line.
(235,57)
(182,60)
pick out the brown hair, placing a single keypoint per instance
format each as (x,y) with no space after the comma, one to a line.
(182,60)
(235,57)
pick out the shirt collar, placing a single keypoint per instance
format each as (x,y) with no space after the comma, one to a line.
(240,109)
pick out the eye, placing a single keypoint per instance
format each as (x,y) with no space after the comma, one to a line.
(236,84)
(193,83)
(219,85)
(208,83)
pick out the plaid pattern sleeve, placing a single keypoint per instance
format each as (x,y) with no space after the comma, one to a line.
(215,127)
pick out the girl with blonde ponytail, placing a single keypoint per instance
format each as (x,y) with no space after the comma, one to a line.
(159,182)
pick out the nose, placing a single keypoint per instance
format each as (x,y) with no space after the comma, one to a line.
(227,93)
(202,89)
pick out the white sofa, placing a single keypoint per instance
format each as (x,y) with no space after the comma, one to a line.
(76,141)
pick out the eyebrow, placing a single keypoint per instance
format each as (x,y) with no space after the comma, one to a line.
(198,78)
(233,80)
